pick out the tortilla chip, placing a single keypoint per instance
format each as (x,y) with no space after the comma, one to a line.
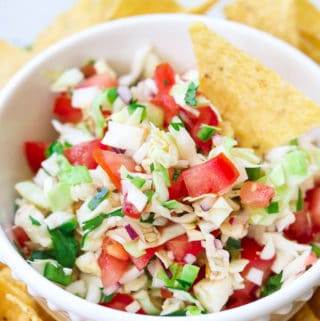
(259,104)
(315,303)
(11,59)
(310,46)
(202,8)
(275,17)
(308,18)
(305,314)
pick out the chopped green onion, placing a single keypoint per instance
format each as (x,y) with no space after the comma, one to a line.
(176,174)
(75,175)
(65,246)
(190,96)
(171,204)
(273,284)
(206,132)
(193,310)
(233,246)
(57,274)
(55,148)
(98,198)
(149,219)
(133,107)
(165,174)
(254,173)
(60,197)
(177,125)
(34,221)
(137,181)
(105,298)
(42,255)
(273,208)
(295,163)
(151,167)
(112,94)
(315,250)
(68,227)
(188,275)
(149,193)
(300,202)
(294,142)
(179,313)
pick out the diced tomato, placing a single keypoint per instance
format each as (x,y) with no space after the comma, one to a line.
(129,209)
(165,293)
(311,259)
(207,116)
(111,163)
(259,264)
(177,189)
(167,104)
(212,176)
(20,237)
(142,261)
(120,301)
(180,246)
(313,198)
(301,229)
(115,249)
(104,80)
(250,249)
(88,70)
(164,77)
(256,194)
(35,154)
(64,110)
(82,154)
(112,269)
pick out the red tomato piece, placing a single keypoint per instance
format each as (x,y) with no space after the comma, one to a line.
(129,209)
(177,189)
(20,237)
(104,80)
(164,77)
(120,301)
(180,247)
(64,110)
(167,104)
(212,176)
(313,198)
(114,249)
(112,269)
(259,264)
(208,117)
(142,261)
(35,154)
(256,194)
(250,249)
(82,154)
(301,230)
(111,163)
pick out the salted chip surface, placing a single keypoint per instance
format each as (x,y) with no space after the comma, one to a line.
(308,18)
(264,110)
(275,17)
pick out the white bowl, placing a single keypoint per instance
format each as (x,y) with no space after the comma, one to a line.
(25,106)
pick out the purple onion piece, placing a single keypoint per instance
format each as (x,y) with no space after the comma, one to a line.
(118,150)
(169,273)
(206,204)
(125,94)
(131,232)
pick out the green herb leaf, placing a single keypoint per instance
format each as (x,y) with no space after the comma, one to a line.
(149,193)
(57,274)
(171,204)
(233,246)
(315,249)
(273,208)
(273,284)
(149,219)
(132,108)
(105,298)
(206,132)
(55,148)
(300,201)
(151,167)
(176,174)
(165,174)
(69,227)
(137,181)
(254,173)
(98,198)
(294,142)
(42,255)
(34,221)
(112,94)
(190,97)
(177,125)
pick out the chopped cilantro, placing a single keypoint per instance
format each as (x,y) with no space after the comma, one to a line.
(176,174)
(254,173)
(315,249)
(273,208)
(55,148)
(273,284)
(300,201)
(98,198)
(206,132)
(34,221)
(190,97)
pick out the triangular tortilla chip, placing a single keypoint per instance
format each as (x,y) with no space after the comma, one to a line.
(263,109)
(277,17)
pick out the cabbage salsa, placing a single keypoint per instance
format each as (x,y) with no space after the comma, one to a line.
(146,204)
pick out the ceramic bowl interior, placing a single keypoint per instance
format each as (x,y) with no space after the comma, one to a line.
(25,113)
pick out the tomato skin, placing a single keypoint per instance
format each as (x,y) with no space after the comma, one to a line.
(64,110)
(129,209)
(20,236)
(111,163)
(313,198)
(250,249)
(104,80)
(177,189)
(180,246)
(142,261)
(120,301)
(256,194)
(115,249)
(167,104)
(164,77)
(212,176)
(35,154)
(207,116)
(82,154)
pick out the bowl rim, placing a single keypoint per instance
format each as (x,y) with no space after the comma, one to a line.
(60,299)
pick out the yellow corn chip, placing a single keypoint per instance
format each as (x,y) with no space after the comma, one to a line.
(259,104)
(310,46)
(202,8)
(11,59)
(305,314)
(308,17)
(276,17)
(315,303)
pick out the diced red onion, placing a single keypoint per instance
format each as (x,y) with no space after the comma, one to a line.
(206,204)
(169,273)
(118,150)
(125,94)
(131,232)
(111,289)
(231,220)
(217,244)
(189,258)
